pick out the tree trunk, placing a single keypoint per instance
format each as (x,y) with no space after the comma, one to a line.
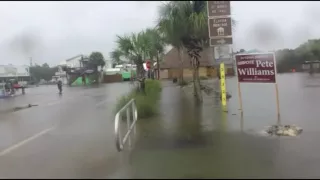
(158,66)
(182,59)
(196,81)
(140,70)
(199,92)
(131,71)
(180,55)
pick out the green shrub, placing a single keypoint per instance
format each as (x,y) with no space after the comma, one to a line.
(147,105)
(152,88)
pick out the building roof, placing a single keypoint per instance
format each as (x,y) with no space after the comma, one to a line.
(171,59)
(70,59)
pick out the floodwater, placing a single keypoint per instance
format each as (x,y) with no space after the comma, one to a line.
(66,136)
(189,140)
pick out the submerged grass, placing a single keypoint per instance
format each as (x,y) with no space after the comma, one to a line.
(146,103)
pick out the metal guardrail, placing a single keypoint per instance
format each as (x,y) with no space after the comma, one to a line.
(131,125)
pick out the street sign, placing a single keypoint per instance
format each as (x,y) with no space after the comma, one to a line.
(256,68)
(218,8)
(220,27)
(148,64)
(221,41)
(220,33)
(223,54)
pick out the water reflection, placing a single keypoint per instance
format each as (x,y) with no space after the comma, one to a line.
(206,142)
(241,122)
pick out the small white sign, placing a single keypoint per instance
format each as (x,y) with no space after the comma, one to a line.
(222,53)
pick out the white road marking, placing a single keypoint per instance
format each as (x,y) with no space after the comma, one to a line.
(11,148)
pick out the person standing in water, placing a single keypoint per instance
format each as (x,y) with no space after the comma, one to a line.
(83,79)
(59,84)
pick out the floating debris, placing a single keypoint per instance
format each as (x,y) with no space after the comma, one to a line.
(24,107)
(284,130)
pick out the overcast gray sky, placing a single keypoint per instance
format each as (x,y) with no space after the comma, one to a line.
(54,31)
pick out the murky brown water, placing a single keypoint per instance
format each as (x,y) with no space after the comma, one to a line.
(194,141)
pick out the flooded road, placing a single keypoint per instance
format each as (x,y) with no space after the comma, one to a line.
(190,141)
(68,136)
(73,136)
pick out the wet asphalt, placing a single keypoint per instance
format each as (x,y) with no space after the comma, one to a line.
(68,136)
(71,136)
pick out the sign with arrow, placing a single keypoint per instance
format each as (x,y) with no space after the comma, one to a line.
(219,23)
(221,41)
(220,31)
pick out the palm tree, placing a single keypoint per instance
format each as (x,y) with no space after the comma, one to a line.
(185,26)
(133,48)
(197,38)
(156,46)
(173,26)
(138,47)
(116,56)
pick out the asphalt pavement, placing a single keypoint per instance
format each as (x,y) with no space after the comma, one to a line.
(68,136)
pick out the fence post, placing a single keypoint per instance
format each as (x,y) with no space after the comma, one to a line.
(128,125)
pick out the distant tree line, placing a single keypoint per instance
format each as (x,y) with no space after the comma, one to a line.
(44,71)
(288,59)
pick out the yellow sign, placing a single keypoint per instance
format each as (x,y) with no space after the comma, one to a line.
(223,85)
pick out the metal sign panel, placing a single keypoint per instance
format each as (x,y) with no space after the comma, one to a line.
(218,8)
(223,54)
(256,68)
(220,27)
(221,41)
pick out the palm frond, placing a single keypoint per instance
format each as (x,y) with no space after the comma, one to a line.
(116,56)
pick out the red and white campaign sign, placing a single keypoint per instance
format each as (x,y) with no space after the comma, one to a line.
(256,68)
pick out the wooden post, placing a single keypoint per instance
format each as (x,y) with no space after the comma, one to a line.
(240,99)
(241,123)
(277,101)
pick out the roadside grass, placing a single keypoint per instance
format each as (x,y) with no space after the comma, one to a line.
(146,103)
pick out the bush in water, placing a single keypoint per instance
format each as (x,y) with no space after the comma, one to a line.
(146,103)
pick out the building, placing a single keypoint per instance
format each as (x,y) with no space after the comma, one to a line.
(75,62)
(73,68)
(18,72)
(60,74)
(170,66)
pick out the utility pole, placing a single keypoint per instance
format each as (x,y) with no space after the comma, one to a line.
(30,58)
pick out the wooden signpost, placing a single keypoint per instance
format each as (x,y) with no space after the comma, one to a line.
(257,68)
